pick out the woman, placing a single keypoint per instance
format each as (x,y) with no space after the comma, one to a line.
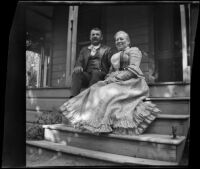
(115,104)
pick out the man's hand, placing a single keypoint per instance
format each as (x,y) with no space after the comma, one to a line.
(78,69)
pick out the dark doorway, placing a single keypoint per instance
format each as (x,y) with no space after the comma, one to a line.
(168,44)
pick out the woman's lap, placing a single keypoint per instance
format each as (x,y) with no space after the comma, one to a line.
(111,104)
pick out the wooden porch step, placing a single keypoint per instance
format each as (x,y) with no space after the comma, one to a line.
(96,156)
(173,116)
(148,146)
(43,154)
(172,105)
(169,89)
(162,124)
(166,89)
(177,105)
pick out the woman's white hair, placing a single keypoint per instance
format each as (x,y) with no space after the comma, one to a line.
(126,35)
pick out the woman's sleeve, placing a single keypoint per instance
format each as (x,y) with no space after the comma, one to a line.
(135,59)
(135,56)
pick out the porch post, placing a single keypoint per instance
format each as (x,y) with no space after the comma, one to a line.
(194,14)
(45,71)
(186,68)
(40,68)
(39,72)
(74,38)
(71,43)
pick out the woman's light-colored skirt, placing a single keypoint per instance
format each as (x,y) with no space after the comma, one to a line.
(112,106)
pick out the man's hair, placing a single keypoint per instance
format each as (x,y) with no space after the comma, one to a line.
(96,29)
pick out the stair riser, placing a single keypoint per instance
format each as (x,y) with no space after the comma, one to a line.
(166,106)
(159,126)
(173,106)
(170,90)
(164,126)
(155,151)
(63,159)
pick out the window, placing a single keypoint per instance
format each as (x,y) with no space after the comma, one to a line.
(38,55)
(33,63)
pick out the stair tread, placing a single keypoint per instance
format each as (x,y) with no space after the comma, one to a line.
(173,116)
(166,98)
(168,83)
(155,138)
(121,159)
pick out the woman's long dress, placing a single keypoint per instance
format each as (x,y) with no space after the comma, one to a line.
(115,104)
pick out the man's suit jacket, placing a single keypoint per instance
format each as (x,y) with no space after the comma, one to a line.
(105,55)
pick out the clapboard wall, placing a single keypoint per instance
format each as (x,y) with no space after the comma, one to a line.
(60,27)
(137,21)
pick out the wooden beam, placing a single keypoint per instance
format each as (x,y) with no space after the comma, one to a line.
(107,2)
(50,67)
(69,39)
(40,70)
(45,70)
(74,37)
(193,21)
(71,42)
(186,68)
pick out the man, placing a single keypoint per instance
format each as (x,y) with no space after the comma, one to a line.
(92,64)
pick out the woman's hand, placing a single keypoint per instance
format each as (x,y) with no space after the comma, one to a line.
(110,80)
(78,69)
(125,75)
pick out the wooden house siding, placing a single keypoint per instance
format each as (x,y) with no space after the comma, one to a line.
(60,25)
(154,29)
(137,22)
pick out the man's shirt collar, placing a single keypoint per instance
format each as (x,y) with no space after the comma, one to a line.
(94,47)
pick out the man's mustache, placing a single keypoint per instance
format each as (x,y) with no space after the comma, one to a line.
(95,38)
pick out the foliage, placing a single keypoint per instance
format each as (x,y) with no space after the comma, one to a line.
(32,68)
(34,131)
